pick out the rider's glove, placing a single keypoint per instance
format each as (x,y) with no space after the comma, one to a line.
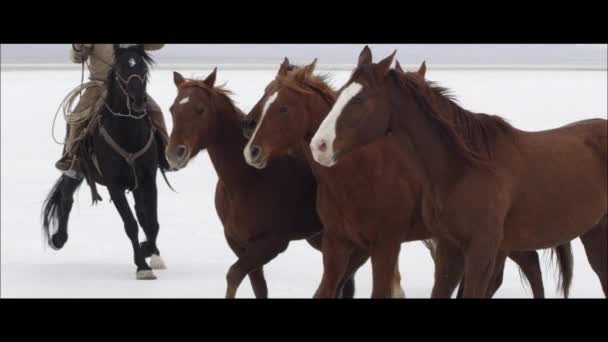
(79,52)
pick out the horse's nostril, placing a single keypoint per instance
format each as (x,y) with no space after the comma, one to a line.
(322,146)
(180,151)
(255,151)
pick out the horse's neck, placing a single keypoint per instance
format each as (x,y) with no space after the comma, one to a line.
(427,141)
(126,131)
(226,152)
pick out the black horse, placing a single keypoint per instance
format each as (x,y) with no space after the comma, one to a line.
(123,153)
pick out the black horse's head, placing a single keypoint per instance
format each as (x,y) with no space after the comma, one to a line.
(130,74)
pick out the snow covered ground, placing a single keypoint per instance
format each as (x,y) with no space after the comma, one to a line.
(97,259)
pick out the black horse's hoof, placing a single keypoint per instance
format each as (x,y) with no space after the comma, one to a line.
(58,240)
(145,275)
(157,263)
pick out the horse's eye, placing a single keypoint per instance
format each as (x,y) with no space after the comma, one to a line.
(283,109)
(358,100)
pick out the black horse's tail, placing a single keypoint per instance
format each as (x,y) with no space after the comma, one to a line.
(56,211)
(163,163)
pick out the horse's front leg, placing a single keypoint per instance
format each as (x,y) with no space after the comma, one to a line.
(120,202)
(479,261)
(337,253)
(256,254)
(385,253)
(449,267)
(146,208)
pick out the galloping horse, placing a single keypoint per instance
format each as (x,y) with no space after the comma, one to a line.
(528,261)
(489,188)
(364,208)
(121,153)
(261,211)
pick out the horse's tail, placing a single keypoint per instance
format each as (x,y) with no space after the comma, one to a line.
(565,264)
(163,163)
(431,245)
(56,211)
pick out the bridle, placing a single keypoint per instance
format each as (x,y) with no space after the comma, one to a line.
(120,80)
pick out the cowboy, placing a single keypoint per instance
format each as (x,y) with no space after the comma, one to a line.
(100,58)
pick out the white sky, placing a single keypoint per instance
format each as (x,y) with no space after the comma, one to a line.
(538,54)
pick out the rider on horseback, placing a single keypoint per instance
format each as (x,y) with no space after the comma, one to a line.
(99,58)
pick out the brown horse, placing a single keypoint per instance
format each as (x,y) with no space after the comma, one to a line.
(489,188)
(528,261)
(261,211)
(354,209)
(361,207)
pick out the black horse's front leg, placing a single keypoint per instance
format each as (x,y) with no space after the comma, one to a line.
(146,208)
(120,201)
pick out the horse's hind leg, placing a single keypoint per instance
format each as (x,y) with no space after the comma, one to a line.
(595,243)
(122,205)
(146,208)
(529,264)
(255,255)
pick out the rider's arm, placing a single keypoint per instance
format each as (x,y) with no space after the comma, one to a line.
(152,47)
(79,52)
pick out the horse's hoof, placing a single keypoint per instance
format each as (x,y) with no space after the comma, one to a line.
(145,275)
(157,263)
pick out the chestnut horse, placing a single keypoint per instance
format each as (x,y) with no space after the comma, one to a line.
(361,206)
(528,261)
(489,188)
(261,211)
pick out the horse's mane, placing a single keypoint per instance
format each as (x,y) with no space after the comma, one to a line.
(219,90)
(301,81)
(473,135)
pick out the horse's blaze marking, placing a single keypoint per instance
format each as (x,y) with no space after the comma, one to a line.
(184,100)
(269,101)
(327,131)
(132,62)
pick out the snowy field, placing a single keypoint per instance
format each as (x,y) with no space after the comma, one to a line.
(97,259)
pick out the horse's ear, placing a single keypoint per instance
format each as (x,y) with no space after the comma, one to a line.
(178,78)
(117,49)
(365,57)
(210,80)
(422,69)
(311,67)
(398,66)
(284,67)
(385,65)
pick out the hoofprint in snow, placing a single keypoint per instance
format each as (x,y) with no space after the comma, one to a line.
(95,260)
